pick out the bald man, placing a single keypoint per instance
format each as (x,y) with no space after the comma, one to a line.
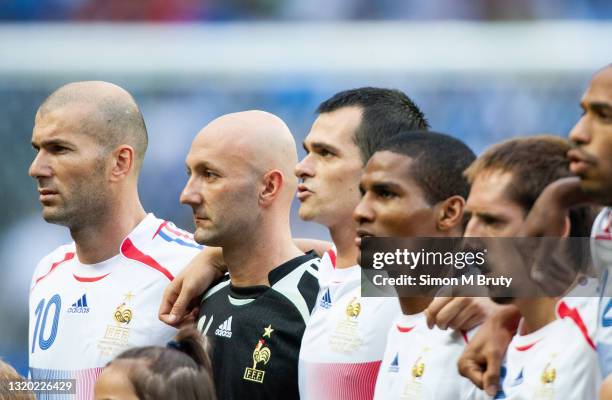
(93,298)
(240,187)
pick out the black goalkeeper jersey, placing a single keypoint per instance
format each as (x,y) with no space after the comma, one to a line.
(256,331)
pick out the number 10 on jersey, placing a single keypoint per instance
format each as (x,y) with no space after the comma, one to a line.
(42,311)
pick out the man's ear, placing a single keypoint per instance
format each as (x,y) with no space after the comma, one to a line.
(122,162)
(450,213)
(272,186)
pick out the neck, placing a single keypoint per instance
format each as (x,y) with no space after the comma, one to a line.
(414,305)
(100,239)
(250,261)
(344,240)
(536,313)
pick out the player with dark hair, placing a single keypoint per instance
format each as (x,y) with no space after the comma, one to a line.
(413,187)
(553,338)
(385,113)
(95,297)
(240,188)
(591,160)
(339,359)
(179,371)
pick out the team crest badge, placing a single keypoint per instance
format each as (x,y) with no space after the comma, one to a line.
(261,356)
(346,338)
(547,378)
(353,309)
(548,375)
(123,315)
(418,369)
(117,334)
(413,387)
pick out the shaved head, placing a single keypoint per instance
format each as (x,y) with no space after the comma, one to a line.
(108,113)
(241,168)
(260,142)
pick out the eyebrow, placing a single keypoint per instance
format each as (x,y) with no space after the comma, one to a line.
(51,142)
(497,217)
(204,164)
(386,186)
(321,146)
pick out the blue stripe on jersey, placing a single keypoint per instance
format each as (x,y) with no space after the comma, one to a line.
(167,238)
(604,352)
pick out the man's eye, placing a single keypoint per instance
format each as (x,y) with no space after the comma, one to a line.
(385,194)
(326,153)
(606,116)
(209,174)
(489,220)
(56,149)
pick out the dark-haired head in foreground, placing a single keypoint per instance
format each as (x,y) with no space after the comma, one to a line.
(180,371)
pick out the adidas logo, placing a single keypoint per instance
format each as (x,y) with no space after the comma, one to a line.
(79,306)
(394,367)
(225,329)
(326,301)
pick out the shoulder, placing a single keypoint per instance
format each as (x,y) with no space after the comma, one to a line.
(299,274)
(161,245)
(53,260)
(573,321)
(327,264)
(299,283)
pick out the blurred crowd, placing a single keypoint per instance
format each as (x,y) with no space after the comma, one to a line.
(228,10)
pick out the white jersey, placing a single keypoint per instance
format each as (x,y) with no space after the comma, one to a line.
(421,363)
(345,338)
(601,249)
(557,361)
(82,316)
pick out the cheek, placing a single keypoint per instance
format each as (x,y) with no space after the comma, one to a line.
(347,181)
(238,198)
(395,221)
(606,152)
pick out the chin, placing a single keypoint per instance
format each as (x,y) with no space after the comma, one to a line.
(54,217)
(598,191)
(305,214)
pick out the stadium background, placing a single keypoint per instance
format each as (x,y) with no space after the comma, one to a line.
(481,70)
